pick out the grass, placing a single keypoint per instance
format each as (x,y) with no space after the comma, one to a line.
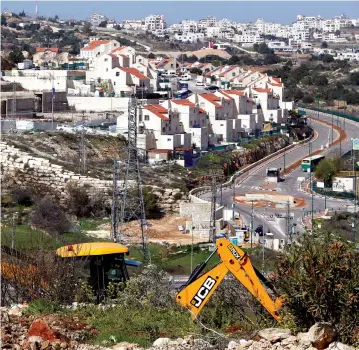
(27,238)
(177,260)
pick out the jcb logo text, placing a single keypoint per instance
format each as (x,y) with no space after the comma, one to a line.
(203,292)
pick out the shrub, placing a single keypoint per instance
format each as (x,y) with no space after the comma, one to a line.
(82,205)
(48,216)
(21,197)
(319,277)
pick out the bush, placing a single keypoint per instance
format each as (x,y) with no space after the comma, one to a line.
(319,277)
(82,205)
(21,197)
(48,216)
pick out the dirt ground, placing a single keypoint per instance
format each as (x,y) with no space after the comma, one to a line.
(165,229)
(299,202)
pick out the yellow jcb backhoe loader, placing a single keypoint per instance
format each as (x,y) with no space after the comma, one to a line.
(199,289)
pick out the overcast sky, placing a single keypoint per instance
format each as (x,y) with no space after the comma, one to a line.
(240,11)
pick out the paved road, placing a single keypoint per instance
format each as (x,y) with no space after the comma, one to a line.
(290,184)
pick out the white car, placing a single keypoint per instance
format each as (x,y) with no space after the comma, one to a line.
(199,83)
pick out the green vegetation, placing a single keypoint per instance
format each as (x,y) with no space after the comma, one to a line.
(320,280)
(327,169)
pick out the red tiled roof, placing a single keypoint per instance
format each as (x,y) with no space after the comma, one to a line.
(201,110)
(93,44)
(160,108)
(212,98)
(268,91)
(184,103)
(234,92)
(119,49)
(122,55)
(278,80)
(159,150)
(157,110)
(225,94)
(135,72)
(250,100)
(43,49)
(279,84)
(112,55)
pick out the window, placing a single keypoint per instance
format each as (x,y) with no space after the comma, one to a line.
(190,123)
(169,140)
(106,59)
(140,118)
(117,74)
(221,124)
(114,83)
(147,117)
(233,74)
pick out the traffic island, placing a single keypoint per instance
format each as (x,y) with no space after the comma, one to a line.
(270,200)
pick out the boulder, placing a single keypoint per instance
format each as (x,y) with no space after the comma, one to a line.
(275,334)
(322,334)
(233,345)
(340,346)
(40,328)
(35,339)
(161,342)
(303,339)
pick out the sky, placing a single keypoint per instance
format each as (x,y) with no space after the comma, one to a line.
(284,12)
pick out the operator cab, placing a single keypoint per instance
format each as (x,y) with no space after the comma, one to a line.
(101,263)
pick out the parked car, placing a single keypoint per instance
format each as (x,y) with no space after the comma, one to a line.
(186,77)
(212,88)
(199,83)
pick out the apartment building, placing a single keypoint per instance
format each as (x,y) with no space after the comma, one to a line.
(95,19)
(154,23)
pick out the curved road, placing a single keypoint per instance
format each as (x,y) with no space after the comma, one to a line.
(290,185)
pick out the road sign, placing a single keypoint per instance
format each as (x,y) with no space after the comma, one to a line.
(356,144)
(271,216)
(303,209)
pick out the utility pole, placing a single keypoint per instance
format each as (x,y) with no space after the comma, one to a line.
(13,231)
(114,208)
(83,154)
(288,226)
(132,205)
(355,147)
(52,102)
(233,198)
(212,224)
(332,128)
(13,107)
(252,223)
(284,162)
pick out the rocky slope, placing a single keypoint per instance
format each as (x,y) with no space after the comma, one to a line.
(62,331)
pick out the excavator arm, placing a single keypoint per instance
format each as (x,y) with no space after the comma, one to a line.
(198,290)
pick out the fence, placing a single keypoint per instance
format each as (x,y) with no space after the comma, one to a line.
(328,192)
(336,113)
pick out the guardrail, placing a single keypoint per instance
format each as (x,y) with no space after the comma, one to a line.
(196,192)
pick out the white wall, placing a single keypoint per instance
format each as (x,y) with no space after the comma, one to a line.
(98,104)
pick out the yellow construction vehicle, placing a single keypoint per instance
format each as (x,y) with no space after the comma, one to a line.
(199,289)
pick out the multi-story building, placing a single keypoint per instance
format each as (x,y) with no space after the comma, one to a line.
(155,22)
(96,19)
(133,24)
(96,48)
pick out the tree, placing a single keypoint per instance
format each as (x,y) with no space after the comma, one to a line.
(320,80)
(271,58)
(308,99)
(195,71)
(22,13)
(337,32)
(16,56)
(326,58)
(103,24)
(319,280)
(86,28)
(48,216)
(354,78)
(324,45)
(3,21)
(327,169)
(151,55)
